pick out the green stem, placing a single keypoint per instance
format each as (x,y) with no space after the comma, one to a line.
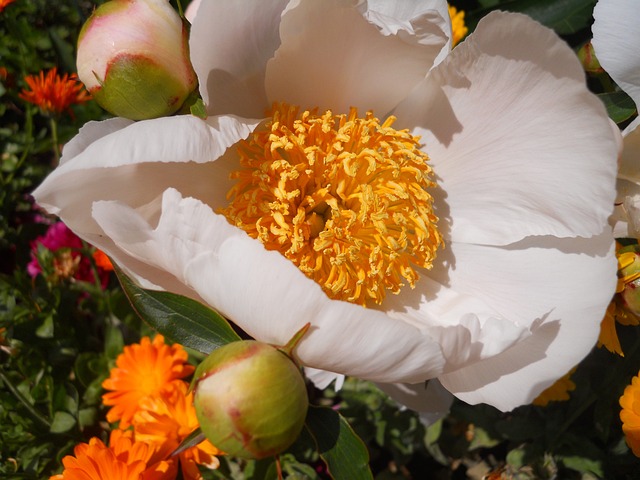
(180,11)
(16,393)
(293,343)
(54,139)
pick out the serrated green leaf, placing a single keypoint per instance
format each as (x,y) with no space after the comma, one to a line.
(619,105)
(343,452)
(179,318)
(62,422)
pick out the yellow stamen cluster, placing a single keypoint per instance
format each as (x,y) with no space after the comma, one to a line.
(458,27)
(344,198)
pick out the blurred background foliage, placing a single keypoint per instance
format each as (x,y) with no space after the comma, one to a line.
(59,336)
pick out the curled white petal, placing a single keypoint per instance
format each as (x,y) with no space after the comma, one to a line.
(498,120)
(312,68)
(265,294)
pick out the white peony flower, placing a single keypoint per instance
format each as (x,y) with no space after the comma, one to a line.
(616,41)
(523,181)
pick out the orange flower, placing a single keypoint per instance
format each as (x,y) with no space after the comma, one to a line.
(143,370)
(52,93)
(123,459)
(630,414)
(168,419)
(4,3)
(558,392)
(102,261)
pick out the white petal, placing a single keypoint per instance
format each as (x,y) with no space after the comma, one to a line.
(191,10)
(616,38)
(137,163)
(630,160)
(430,399)
(230,44)
(266,295)
(331,57)
(421,22)
(89,133)
(626,215)
(519,145)
(322,379)
(565,286)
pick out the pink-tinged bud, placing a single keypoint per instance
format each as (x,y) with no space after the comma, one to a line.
(250,399)
(133,57)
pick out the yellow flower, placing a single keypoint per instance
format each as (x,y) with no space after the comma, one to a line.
(142,370)
(558,392)
(630,415)
(167,419)
(619,310)
(458,28)
(123,459)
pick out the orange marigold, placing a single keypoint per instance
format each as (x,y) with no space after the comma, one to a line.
(5,3)
(143,370)
(53,93)
(166,420)
(558,392)
(630,414)
(123,459)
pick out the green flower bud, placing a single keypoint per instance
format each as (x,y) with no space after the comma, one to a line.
(588,58)
(133,57)
(250,399)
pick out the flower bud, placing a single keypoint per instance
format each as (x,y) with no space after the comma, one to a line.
(250,399)
(133,57)
(588,58)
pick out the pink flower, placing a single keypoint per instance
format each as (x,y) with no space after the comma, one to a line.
(68,258)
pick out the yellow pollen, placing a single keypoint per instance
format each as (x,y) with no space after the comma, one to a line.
(458,28)
(344,198)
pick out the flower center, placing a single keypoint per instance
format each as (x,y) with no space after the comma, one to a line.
(344,198)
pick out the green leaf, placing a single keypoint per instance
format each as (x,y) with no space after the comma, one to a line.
(113,342)
(198,109)
(564,16)
(62,422)
(45,330)
(583,465)
(179,318)
(191,440)
(344,453)
(619,105)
